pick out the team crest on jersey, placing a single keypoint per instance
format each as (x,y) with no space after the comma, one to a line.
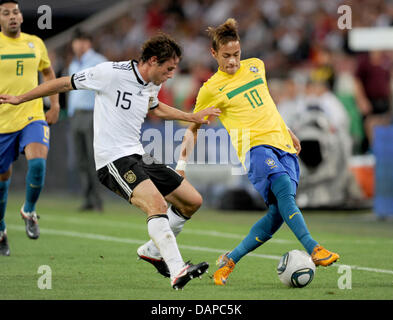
(31,45)
(254,69)
(270,162)
(151,99)
(130,176)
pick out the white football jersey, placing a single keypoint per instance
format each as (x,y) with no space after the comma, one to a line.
(122,100)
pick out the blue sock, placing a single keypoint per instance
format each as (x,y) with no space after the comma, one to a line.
(4,186)
(260,232)
(284,191)
(34,182)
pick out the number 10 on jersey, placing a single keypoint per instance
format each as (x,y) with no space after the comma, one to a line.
(254,98)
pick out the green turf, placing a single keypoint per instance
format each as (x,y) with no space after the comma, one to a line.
(93,255)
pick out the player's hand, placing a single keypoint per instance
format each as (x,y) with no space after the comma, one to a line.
(52,115)
(182,173)
(5,98)
(204,116)
(296,142)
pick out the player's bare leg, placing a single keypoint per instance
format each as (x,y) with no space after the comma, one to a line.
(185,198)
(147,197)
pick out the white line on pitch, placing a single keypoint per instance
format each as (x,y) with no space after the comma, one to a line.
(212,233)
(126,225)
(94,236)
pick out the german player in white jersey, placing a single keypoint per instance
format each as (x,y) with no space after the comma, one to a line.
(125,93)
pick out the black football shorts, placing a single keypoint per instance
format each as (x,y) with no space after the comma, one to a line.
(124,174)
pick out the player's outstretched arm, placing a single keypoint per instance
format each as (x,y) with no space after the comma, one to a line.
(47,88)
(187,146)
(166,112)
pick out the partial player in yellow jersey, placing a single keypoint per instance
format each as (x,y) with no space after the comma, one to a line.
(23,128)
(266,147)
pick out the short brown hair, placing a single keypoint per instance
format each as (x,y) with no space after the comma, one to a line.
(162,46)
(224,33)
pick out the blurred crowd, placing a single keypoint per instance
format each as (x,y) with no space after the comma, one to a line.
(307,58)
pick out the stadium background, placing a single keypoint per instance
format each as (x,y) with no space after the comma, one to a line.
(301,45)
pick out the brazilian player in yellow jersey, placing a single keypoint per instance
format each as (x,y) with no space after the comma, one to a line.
(24,128)
(260,136)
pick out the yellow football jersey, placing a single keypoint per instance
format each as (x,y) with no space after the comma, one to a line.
(20,61)
(247,109)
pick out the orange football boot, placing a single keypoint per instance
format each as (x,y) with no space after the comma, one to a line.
(225,267)
(322,257)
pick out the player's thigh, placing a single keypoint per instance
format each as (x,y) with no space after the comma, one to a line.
(163,176)
(185,198)
(127,178)
(147,197)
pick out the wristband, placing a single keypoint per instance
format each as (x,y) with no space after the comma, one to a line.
(181,165)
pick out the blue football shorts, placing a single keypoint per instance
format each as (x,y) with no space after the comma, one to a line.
(14,143)
(265,161)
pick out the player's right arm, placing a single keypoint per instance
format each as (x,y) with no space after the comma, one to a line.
(47,88)
(204,100)
(187,145)
(94,78)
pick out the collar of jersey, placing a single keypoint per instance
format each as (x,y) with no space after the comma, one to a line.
(231,75)
(138,76)
(20,38)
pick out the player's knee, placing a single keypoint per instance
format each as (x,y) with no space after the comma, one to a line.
(190,208)
(155,205)
(161,206)
(6,175)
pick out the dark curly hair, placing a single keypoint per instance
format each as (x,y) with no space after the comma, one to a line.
(162,46)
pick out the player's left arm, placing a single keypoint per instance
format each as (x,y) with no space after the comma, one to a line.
(52,115)
(166,112)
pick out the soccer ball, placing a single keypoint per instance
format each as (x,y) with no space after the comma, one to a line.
(296,269)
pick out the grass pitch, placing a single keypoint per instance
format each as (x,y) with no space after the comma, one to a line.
(93,255)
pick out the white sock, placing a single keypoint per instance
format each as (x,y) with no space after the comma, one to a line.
(176,224)
(176,221)
(164,239)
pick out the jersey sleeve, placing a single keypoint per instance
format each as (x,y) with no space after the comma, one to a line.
(45,61)
(205,100)
(154,100)
(94,78)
